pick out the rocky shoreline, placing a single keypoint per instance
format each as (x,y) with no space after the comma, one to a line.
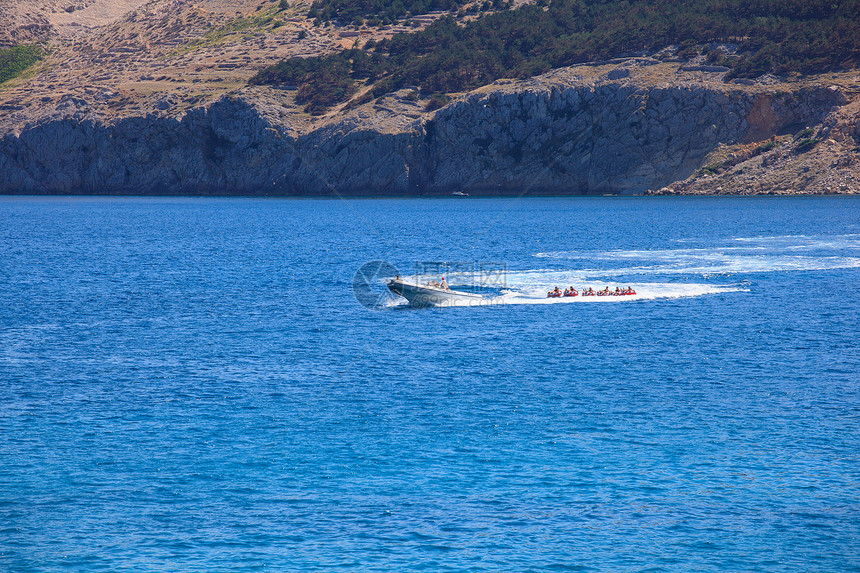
(152,97)
(607,129)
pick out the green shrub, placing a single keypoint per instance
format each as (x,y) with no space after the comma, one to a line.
(436,101)
(804,133)
(322,82)
(802,36)
(15,60)
(765,147)
(806,144)
(345,11)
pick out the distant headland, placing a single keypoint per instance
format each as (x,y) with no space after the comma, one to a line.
(344,97)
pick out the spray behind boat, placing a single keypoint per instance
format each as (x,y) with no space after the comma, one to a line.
(476,283)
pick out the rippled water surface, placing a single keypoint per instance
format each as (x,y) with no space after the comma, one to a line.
(192,385)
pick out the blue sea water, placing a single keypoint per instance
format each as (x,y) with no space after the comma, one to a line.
(193,385)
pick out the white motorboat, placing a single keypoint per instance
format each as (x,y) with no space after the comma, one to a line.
(432,294)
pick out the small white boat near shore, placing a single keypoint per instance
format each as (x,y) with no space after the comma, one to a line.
(432,294)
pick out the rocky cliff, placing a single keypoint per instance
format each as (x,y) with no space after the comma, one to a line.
(151,97)
(587,129)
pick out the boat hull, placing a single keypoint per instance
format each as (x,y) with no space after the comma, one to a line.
(420,295)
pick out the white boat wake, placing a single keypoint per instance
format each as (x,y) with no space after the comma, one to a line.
(648,271)
(531,288)
(644,291)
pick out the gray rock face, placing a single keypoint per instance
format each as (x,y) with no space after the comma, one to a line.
(536,138)
(607,139)
(225,149)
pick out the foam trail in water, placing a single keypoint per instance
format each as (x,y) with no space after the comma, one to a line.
(535,293)
(643,269)
(739,255)
(644,291)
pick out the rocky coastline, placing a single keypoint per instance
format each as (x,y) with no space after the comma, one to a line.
(152,97)
(580,130)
